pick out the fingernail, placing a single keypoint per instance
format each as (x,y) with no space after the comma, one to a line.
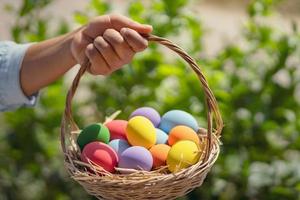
(148,26)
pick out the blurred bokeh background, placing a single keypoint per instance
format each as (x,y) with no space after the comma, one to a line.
(249,51)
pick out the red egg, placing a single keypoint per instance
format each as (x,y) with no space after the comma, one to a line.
(100,154)
(117,129)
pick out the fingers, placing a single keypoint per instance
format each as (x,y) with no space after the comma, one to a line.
(134,39)
(120,46)
(114,49)
(118,22)
(108,53)
(98,64)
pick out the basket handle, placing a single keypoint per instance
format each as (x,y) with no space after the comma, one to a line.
(212,107)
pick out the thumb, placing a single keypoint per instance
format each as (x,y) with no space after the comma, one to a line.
(98,25)
(118,22)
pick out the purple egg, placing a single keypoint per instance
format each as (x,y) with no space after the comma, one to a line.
(119,145)
(136,157)
(149,113)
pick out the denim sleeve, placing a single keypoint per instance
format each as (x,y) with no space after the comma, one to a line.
(11,94)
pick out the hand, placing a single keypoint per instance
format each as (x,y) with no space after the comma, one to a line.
(109,42)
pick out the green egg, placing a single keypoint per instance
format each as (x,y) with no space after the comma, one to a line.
(93,132)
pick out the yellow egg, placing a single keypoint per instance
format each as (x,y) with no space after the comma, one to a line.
(141,132)
(182,155)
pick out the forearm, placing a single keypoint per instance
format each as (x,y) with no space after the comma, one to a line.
(45,62)
(108,41)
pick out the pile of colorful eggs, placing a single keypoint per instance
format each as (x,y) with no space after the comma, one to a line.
(145,142)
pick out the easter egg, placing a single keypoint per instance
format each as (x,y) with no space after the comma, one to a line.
(119,145)
(100,154)
(182,133)
(136,157)
(161,137)
(93,132)
(177,117)
(117,129)
(159,153)
(141,132)
(149,113)
(182,155)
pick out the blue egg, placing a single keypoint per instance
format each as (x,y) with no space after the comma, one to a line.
(119,145)
(161,137)
(177,117)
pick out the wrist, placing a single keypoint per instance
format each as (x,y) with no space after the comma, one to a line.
(45,62)
(67,49)
(78,44)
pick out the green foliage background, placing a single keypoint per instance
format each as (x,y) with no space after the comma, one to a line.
(260,153)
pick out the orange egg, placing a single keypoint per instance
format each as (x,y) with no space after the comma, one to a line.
(159,153)
(182,133)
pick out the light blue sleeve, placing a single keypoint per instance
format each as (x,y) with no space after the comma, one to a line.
(11,94)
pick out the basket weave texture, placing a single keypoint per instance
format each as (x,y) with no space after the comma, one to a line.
(158,184)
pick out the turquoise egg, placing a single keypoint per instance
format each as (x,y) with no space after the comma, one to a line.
(161,137)
(177,117)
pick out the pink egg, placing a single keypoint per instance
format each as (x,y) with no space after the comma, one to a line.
(100,154)
(117,129)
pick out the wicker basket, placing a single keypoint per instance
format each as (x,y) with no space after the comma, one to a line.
(158,184)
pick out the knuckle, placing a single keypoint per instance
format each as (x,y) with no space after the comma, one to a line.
(90,51)
(101,43)
(128,32)
(114,16)
(98,40)
(108,32)
(113,36)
